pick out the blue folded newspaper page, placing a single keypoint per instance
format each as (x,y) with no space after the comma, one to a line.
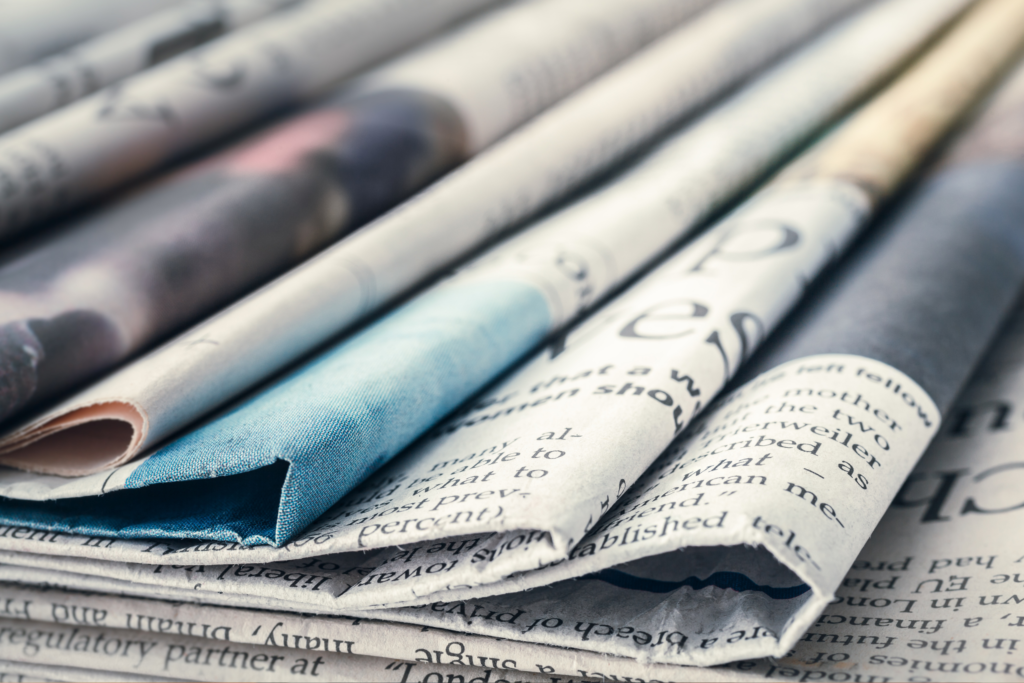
(320,431)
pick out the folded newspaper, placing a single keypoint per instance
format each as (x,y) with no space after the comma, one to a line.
(728,579)
(653,524)
(926,597)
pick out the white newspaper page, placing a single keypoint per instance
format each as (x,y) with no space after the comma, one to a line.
(337,634)
(207,659)
(529,55)
(777,445)
(22,672)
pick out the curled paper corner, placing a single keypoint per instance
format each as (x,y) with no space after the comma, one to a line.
(77,441)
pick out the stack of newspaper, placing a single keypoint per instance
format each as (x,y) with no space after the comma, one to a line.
(479,341)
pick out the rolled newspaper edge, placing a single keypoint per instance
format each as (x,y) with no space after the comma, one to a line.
(86,435)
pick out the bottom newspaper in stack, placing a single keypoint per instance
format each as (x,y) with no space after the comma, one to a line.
(936,594)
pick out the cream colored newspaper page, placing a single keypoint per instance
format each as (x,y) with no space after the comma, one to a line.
(171,656)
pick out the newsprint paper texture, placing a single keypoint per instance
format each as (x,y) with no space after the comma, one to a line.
(935,594)
(152,398)
(185,246)
(98,143)
(65,77)
(200,659)
(634,564)
(439,349)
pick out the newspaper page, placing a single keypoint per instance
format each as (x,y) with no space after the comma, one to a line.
(424,566)
(30,31)
(163,392)
(936,592)
(65,77)
(211,659)
(364,636)
(181,248)
(633,218)
(98,143)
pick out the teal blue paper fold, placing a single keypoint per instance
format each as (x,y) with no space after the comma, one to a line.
(322,429)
